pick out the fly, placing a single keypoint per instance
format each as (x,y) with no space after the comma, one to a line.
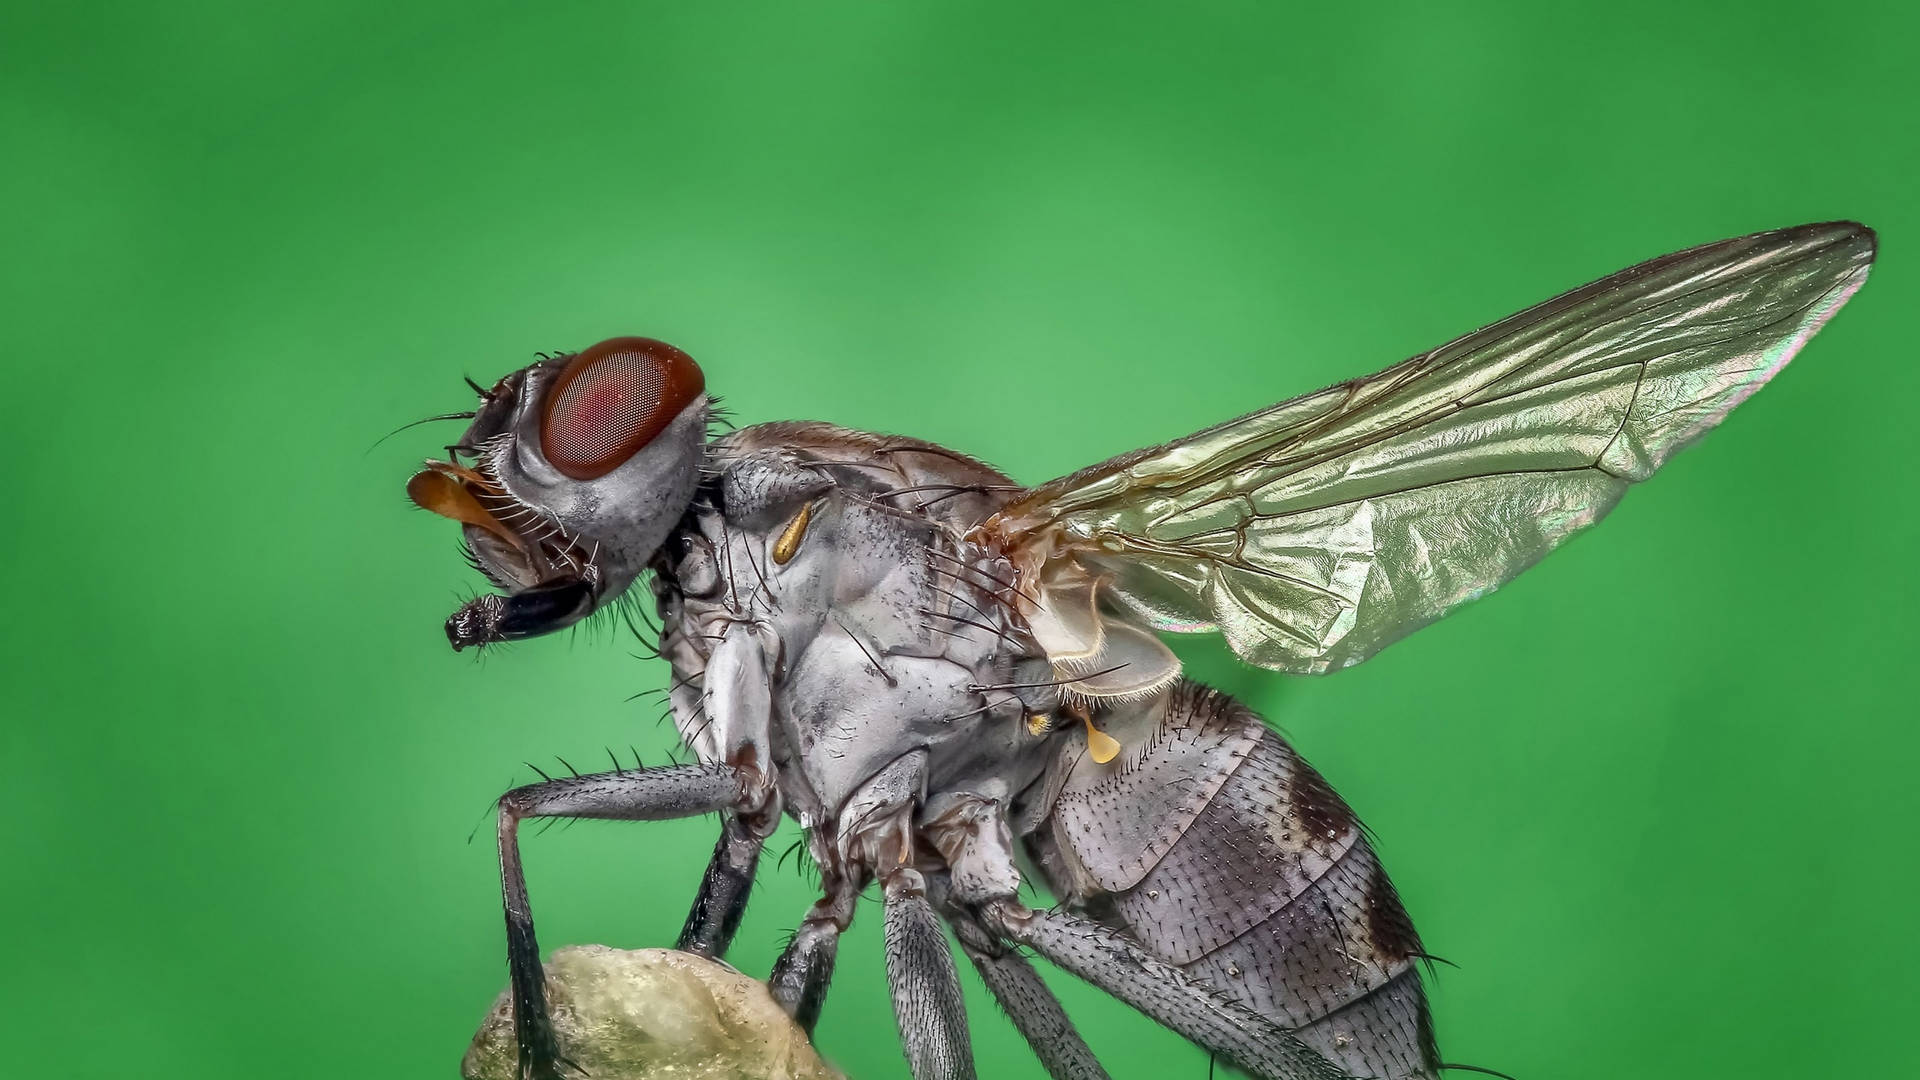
(936,670)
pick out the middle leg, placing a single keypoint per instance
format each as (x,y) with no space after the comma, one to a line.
(926,990)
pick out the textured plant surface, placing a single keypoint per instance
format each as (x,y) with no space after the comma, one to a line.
(648,1014)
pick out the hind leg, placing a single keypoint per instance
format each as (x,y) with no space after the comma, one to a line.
(1028,1003)
(1108,960)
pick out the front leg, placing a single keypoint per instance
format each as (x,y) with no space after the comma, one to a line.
(723,709)
(633,795)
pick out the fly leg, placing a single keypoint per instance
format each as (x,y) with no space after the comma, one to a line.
(722,899)
(633,795)
(877,830)
(1028,1003)
(800,977)
(1115,964)
(723,710)
(972,836)
(926,989)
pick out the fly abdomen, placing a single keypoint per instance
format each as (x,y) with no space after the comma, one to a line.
(1264,885)
(1336,960)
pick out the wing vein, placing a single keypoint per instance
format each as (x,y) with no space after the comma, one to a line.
(1315,532)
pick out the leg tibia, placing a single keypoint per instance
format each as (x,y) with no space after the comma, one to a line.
(926,989)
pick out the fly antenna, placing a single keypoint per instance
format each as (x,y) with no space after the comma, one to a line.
(415,424)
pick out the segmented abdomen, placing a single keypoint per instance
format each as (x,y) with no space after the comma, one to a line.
(1222,851)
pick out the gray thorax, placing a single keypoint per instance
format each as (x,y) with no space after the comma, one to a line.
(828,622)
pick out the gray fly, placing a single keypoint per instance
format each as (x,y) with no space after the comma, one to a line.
(952,681)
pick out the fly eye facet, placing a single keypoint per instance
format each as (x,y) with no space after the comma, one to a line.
(611,400)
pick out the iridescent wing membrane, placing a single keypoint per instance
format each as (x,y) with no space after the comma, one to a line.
(1314,533)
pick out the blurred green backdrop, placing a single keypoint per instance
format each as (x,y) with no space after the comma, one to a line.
(1650,799)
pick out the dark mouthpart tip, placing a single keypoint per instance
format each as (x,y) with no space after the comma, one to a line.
(456,639)
(476,623)
(523,614)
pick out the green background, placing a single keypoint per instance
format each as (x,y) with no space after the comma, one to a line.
(1653,799)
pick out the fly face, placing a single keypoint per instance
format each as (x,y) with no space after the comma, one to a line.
(581,465)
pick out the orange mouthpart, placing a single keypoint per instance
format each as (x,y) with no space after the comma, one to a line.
(445,489)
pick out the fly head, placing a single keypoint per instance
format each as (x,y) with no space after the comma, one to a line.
(573,472)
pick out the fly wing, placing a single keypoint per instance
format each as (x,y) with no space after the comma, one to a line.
(1314,533)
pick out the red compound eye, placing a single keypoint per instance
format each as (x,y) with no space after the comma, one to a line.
(611,400)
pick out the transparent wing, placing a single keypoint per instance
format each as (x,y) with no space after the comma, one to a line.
(1314,533)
